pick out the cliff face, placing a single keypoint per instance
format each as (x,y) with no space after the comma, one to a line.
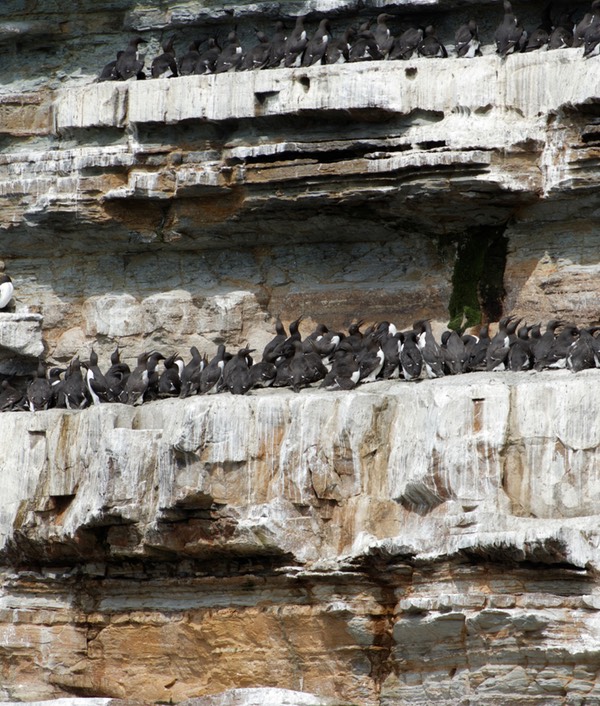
(426,543)
(400,543)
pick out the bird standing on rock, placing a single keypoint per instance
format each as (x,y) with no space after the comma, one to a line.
(129,65)
(466,41)
(509,32)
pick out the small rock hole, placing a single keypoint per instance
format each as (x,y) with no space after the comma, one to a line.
(305,81)
(410,72)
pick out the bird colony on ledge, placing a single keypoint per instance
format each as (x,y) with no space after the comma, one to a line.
(557,30)
(336,360)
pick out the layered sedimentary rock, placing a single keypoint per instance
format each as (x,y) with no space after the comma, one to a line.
(403,543)
(427,543)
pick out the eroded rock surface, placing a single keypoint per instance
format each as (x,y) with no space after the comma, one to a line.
(400,543)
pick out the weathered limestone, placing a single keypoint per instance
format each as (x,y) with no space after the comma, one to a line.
(402,542)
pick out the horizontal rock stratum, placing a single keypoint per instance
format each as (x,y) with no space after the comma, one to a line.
(401,543)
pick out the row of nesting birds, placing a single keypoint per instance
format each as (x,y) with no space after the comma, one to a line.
(339,361)
(556,31)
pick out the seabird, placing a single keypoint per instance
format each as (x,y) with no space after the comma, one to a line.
(338,50)
(542,347)
(165,64)
(208,59)
(345,371)
(295,44)
(109,72)
(476,357)
(562,34)
(188,64)
(9,397)
(190,374)
(258,56)
(231,56)
(38,390)
(406,44)
(317,45)
(364,47)
(454,353)
(588,20)
(273,350)
(73,392)
(277,49)
(6,290)
(236,373)
(391,347)
(263,374)
(430,46)
(95,380)
(382,34)
(591,39)
(411,360)
(128,64)
(582,354)
(370,360)
(497,351)
(355,337)
(519,353)
(539,38)
(509,32)
(116,377)
(169,384)
(466,41)
(430,350)
(212,375)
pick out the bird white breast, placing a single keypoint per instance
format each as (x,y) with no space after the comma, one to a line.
(6,292)
(179,364)
(355,377)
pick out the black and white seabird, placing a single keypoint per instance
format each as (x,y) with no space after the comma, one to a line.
(338,50)
(406,44)
(430,350)
(588,20)
(10,397)
(562,35)
(128,64)
(116,377)
(258,56)
(345,370)
(383,37)
(74,389)
(212,375)
(466,41)
(591,40)
(231,55)
(277,48)
(6,290)
(95,380)
(188,64)
(165,64)
(411,360)
(263,374)
(190,374)
(541,348)
(582,353)
(370,360)
(391,346)
(430,46)
(509,33)
(453,353)
(169,383)
(364,47)
(295,44)
(497,351)
(519,353)
(208,58)
(39,393)
(317,45)
(236,373)
(109,72)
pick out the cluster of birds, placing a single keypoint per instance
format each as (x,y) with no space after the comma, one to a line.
(365,43)
(336,360)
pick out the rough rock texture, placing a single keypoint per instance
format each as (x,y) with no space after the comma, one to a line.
(195,210)
(402,544)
